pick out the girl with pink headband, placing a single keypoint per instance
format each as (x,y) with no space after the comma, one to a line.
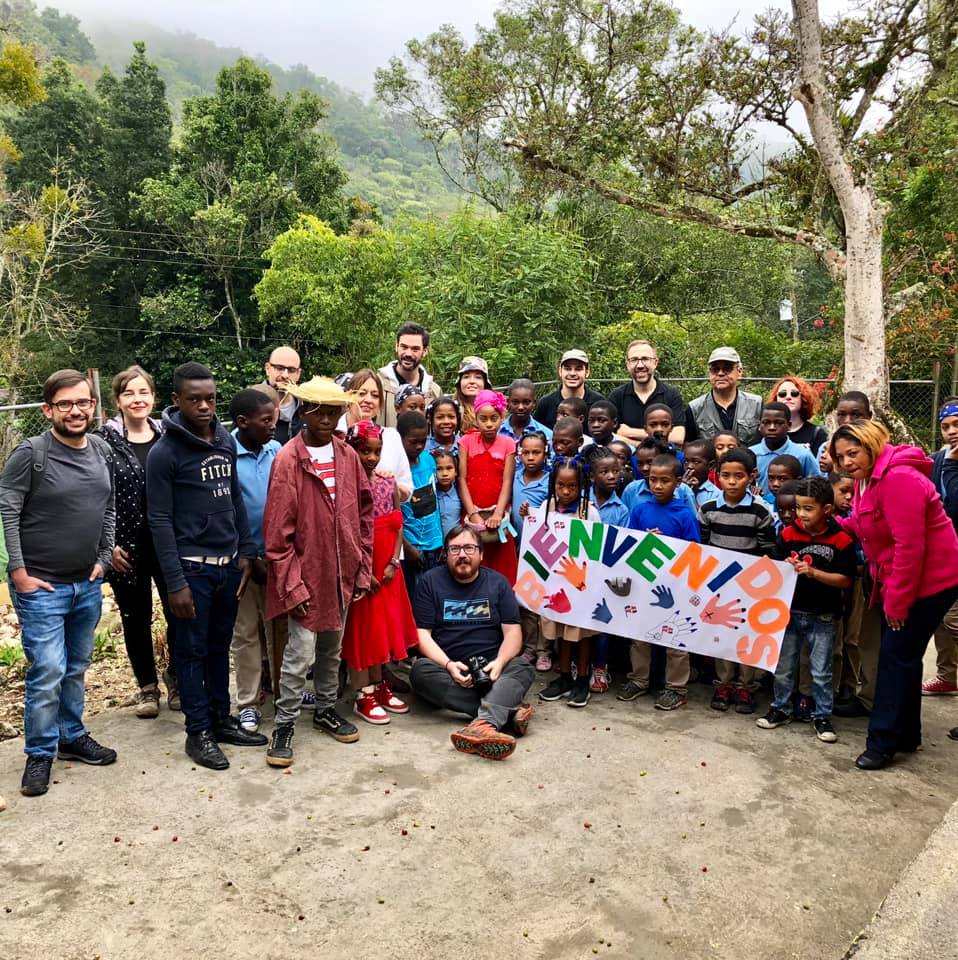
(487,466)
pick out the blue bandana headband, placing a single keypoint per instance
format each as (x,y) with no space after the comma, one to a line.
(949,410)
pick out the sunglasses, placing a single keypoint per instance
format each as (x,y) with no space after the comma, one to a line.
(782,394)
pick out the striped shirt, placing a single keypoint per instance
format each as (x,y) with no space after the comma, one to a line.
(747,527)
(324,466)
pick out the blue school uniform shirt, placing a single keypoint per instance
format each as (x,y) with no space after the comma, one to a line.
(534,493)
(422,523)
(252,472)
(638,492)
(764,456)
(613,511)
(706,491)
(675,519)
(432,446)
(450,508)
(534,424)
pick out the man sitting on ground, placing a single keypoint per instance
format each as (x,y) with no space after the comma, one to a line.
(470,643)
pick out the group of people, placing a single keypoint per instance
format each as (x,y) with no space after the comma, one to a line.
(361,534)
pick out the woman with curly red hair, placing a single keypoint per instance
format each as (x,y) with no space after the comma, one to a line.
(803,403)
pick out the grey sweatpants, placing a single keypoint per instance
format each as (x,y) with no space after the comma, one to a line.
(306,649)
(433,683)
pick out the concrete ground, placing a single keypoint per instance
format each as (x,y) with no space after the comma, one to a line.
(616,831)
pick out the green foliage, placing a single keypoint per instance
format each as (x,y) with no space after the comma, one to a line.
(11,655)
(20,82)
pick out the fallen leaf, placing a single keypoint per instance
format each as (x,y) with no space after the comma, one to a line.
(363,850)
(588,826)
(116,839)
(705,869)
(404,833)
(174,840)
(642,773)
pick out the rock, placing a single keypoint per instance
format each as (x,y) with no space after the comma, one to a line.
(8,731)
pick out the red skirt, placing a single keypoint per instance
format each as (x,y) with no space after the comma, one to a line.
(380,627)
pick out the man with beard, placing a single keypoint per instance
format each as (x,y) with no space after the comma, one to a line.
(56,502)
(470,643)
(412,345)
(282,368)
(633,398)
(573,374)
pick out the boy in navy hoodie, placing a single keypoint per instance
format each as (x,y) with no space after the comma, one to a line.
(203,543)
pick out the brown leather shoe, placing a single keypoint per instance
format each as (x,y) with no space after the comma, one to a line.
(148,702)
(482,738)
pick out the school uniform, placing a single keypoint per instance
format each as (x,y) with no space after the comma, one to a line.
(764,458)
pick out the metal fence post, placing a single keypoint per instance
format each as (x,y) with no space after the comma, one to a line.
(935,397)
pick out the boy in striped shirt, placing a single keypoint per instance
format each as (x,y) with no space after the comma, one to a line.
(735,520)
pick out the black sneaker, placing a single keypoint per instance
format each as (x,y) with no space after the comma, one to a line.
(630,690)
(36,776)
(744,701)
(581,694)
(228,730)
(824,730)
(202,750)
(720,698)
(774,718)
(329,721)
(280,753)
(559,689)
(671,700)
(86,750)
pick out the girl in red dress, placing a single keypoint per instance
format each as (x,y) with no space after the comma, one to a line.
(487,465)
(379,627)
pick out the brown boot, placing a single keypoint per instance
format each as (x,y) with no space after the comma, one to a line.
(482,738)
(172,691)
(521,718)
(148,702)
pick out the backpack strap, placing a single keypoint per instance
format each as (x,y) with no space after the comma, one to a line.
(40,447)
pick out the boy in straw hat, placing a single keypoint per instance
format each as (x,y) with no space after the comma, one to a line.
(318,528)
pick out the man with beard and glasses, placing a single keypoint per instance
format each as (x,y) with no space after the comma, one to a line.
(56,502)
(282,369)
(412,346)
(470,643)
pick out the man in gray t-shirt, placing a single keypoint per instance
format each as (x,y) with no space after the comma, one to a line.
(56,505)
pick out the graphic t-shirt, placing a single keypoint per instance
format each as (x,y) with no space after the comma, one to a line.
(465,618)
(324,466)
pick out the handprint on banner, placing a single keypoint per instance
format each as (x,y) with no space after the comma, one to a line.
(602,613)
(620,586)
(670,632)
(723,615)
(575,574)
(558,602)
(663,598)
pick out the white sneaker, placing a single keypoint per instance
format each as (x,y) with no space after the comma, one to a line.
(249,719)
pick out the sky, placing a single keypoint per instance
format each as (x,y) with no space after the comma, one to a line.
(346,40)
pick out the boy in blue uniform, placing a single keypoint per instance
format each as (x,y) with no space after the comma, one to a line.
(699,461)
(773,428)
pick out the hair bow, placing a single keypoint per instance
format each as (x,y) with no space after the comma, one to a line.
(363,430)
(490,398)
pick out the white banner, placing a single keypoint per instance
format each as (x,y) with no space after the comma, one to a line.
(648,587)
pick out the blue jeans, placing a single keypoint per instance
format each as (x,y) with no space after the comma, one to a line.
(818,632)
(57,636)
(203,644)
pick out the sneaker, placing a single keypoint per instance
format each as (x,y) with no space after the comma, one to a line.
(804,706)
(599,682)
(329,721)
(148,702)
(824,730)
(204,751)
(388,700)
(483,739)
(228,730)
(630,690)
(250,719)
(368,707)
(280,752)
(671,700)
(720,699)
(774,718)
(559,689)
(309,700)
(172,692)
(543,663)
(581,694)
(36,776)
(938,687)
(86,750)
(521,718)
(744,701)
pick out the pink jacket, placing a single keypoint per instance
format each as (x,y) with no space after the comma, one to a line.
(909,542)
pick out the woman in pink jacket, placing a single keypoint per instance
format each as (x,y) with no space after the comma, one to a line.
(912,553)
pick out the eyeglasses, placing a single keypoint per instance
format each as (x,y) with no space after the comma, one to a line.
(65,406)
(722,366)
(643,361)
(466,549)
(782,394)
(279,368)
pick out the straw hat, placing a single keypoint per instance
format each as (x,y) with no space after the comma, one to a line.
(321,390)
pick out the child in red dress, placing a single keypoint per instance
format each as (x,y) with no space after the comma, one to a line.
(487,466)
(379,627)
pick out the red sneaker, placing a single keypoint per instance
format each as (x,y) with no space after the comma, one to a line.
(937,687)
(369,708)
(388,700)
(720,698)
(482,738)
